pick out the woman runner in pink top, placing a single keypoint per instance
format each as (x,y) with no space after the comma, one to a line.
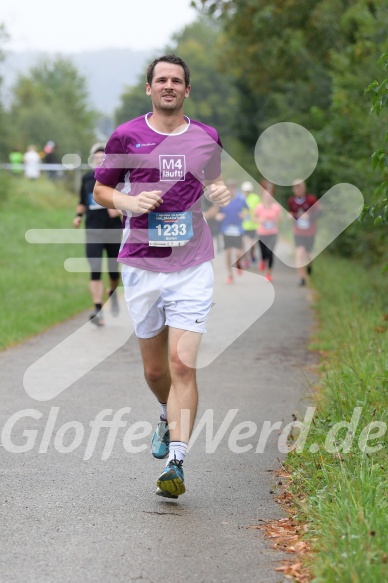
(268,214)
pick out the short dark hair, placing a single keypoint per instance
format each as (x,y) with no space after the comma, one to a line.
(174,60)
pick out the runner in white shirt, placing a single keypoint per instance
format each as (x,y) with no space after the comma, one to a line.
(32,163)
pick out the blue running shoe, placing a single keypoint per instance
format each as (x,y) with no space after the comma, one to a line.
(171,482)
(160,444)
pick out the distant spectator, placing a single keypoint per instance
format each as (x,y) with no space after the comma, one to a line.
(50,157)
(31,163)
(15,159)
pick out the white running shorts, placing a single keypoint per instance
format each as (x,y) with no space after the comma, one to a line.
(181,299)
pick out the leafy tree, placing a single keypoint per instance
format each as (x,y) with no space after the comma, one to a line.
(378,92)
(134,103)
(307,61)
(4,125)
(51,103)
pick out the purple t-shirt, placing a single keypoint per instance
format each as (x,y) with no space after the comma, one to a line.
(137,158)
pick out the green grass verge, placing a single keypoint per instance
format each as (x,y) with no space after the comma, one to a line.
(36,290)
(343,496)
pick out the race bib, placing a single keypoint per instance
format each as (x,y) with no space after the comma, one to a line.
(92,204)
(303,223)
(232,231)
(269,225)
(170,229)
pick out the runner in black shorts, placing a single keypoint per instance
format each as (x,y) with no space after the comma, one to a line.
(232,230)
(305,209)
(103,232)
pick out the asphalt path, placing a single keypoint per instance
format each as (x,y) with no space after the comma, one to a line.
(78,503)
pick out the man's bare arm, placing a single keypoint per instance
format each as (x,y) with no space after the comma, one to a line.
(109,197)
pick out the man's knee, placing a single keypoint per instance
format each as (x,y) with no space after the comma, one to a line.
(182,364)
(154,373)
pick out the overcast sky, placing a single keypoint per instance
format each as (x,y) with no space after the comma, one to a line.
(78,25)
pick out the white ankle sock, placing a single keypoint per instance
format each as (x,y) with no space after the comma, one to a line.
(177,451)
(163,414)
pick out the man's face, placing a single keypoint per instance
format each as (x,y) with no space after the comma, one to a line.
(299,189)
(97,159)
(167,89)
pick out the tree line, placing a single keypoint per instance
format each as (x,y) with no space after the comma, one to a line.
(50,102)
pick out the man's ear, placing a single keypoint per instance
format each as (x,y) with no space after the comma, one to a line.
(148,89)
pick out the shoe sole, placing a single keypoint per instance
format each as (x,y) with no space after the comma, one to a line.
(160,492)
(173,486)
(159,457)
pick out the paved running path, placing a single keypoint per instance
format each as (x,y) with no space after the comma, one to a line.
(69,519)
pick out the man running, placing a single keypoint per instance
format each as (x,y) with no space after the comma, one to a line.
(232,230)
(164,161)
(305,209)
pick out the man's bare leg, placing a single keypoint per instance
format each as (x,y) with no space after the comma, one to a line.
(228,258)
(181,407)
(183,349)
(300,259)
(154,353)
(96,288)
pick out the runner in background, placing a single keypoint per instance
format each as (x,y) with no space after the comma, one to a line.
(305,209)
(268,214)
(232,230)
(103,233)
(250,222)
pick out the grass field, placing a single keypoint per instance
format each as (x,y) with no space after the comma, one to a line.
(36,290)
(342,494)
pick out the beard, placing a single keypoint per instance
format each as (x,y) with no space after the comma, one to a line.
(173,105)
